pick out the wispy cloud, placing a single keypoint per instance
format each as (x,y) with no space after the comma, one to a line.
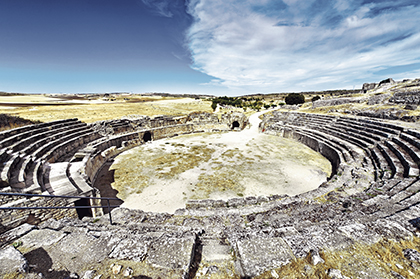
(161,7)
(294,45)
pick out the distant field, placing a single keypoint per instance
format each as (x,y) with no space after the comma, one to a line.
(46,108)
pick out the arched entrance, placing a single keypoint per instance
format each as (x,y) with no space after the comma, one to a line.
(235,124)
(83,212)
(147,136)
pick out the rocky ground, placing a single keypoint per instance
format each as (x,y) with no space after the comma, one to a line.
(340,237)
(390,100)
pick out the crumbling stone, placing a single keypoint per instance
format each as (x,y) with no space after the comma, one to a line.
(412,255)
(316,258)
(11,260)
(89,274)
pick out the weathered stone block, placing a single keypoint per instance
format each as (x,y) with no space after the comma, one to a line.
(11,260)
(77,250)
(258,255)
(360,233)
(132,248)
(15,233)
(40,238)
(174,253)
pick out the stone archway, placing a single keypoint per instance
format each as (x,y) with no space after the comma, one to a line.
(235,124)
(147,136)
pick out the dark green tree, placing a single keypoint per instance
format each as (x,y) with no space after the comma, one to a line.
(294,99)
(315,98)
(214,105)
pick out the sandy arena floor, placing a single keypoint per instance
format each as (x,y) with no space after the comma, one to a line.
(161,176)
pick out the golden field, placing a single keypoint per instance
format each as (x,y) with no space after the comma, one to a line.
(90,108)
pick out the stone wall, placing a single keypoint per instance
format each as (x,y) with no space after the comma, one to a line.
(102,152)
(337,102)
(69,154)
(13,218)
(412,97)
(315,144)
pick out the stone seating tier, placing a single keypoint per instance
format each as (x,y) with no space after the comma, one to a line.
(11,136)
(27,141)
(348,209)
(399,154)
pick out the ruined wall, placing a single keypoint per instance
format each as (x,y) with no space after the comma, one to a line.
(321,147)
(13,218)
(104,151)
(230,119)
(202,122)
(337,102)
(102,141)
(412,97)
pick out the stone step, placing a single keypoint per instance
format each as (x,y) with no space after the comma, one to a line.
(14,135)
(32,148)
(340,146)
(384,170)
(69,147)
(59,182)
(410,167)
(8,167)
(397,169)
(364,127)
(401,186)
(366,135)
(410,149)
(43,134)
(52,142)
(406,215)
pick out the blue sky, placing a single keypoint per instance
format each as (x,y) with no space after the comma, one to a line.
(219,47)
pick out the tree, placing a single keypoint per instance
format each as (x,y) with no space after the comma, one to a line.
(315,98)
(214,105)
(294,99)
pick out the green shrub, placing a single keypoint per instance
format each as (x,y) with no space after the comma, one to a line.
(295,99)
(315,98)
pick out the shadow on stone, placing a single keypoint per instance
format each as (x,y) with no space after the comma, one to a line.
(415,222)
(103,183)
(198,253)
(40,262)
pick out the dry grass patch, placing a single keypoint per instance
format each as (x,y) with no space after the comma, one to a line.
(379,260)
(91,112)
(133,175)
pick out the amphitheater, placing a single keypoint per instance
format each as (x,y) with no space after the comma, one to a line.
(372,199)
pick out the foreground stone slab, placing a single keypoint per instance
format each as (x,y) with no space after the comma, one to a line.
(258,255)
(173,253)
(132,248)
(40,238)
(213,251)
(360,233)
(15,233)
(78,250)
(11,260)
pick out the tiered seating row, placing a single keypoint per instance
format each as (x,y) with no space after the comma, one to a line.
(28,150)
(44,158)
(393,151)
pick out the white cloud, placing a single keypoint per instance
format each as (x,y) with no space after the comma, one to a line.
(312,48)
